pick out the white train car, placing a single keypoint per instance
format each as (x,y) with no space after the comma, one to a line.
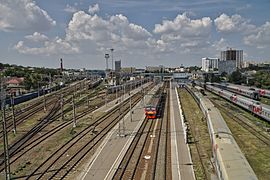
(262,92)
(229,161)
(253,106)
(238,90)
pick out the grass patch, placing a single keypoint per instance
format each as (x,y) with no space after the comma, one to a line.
(199,134)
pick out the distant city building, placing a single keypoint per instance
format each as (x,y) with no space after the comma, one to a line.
(247,64)
(155,68)
(227,66)
(128,70)
(232,54)
(117,66)
(209,64)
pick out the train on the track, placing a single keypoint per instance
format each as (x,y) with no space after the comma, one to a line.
(238,90)
(262,92)
(253,106)
(153,109)
(228,160)
(32,95)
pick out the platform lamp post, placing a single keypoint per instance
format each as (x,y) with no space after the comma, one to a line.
(107,56)
(112,64)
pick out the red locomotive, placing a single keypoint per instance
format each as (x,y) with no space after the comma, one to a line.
(150,112)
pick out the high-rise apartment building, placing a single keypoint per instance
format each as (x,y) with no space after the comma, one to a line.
(234,55)
(117,66)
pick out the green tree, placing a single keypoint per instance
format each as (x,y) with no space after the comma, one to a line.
(262,79)
(236,77)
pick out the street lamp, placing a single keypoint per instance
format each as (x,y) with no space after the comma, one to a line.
(107,56)
(112,64)
(112,57)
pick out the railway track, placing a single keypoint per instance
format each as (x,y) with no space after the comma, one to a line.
(35,142)
(146,150)
(23,115)
(26,137)
(33,108)
(29,138)
(59,166)
(162,168)
(130,162)
(242,121)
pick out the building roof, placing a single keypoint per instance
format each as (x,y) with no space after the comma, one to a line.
(15,80)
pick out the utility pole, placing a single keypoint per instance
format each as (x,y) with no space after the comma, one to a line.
(130,107)
(44,103)
(62,106)
(124,91)
(5,135)
(13,114)
(50,83)
(121,133)
(106,97)
(116,93)
(142,92)
(74,111)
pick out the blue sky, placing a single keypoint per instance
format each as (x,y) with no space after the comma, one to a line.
(143,33)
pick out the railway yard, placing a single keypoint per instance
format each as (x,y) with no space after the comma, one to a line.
(142,129)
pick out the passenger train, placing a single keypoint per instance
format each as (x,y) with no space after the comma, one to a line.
(228,160)
(238,90)
(253,106)
(262,92)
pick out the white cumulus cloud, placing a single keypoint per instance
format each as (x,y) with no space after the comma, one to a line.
(93,9)
(235,23)
(115,31)
(183,33)
(90,32)
(46,47)
(23,15)
(37,37)
(260,39)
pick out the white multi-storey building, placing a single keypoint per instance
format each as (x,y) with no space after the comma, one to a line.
(209,64)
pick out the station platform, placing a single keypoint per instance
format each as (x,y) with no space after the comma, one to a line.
(182,166)
(109,154)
